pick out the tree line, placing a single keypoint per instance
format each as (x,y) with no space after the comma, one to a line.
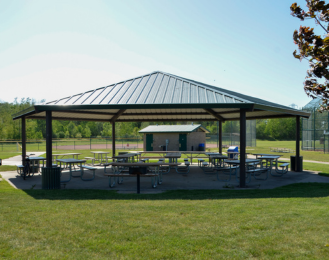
(271,129)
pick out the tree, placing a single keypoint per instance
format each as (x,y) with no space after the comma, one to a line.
(314,48)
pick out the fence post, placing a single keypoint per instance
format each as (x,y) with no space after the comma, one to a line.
(90,143)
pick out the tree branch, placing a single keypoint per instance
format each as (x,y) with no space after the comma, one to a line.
(320,24)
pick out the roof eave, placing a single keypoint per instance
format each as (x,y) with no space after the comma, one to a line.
(26,112)
(292,112)
(41,108)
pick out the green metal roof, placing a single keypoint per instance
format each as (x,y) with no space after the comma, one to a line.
(158,96)
(172,129)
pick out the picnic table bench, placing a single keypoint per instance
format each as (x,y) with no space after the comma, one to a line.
(92,169)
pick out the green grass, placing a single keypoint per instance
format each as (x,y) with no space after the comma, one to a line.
(7,168)
(285,223)
(6,155)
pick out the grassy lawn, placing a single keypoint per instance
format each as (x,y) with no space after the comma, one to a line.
(264,147)
(284,223)
(289,222)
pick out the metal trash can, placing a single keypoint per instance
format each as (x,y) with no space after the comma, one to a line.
(51,178)
(232,152)
(201,147)
(293,163)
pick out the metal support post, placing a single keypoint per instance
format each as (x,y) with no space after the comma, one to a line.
(113,140)
(220,134)
(48,139)
(23,140)
(242,148)
(297,163)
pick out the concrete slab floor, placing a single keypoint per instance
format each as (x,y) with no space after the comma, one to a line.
(195,179)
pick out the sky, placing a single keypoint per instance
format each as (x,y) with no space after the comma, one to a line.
(54,49)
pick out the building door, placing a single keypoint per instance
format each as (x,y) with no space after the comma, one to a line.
(149,142)
(182,142)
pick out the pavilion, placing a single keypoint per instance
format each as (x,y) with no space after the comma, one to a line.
(159,96)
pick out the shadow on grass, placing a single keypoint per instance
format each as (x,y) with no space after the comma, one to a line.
(300,190)
(323,174)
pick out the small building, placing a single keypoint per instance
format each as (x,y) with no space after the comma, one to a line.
(174,137)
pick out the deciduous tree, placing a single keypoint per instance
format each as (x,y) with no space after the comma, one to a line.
(314,48)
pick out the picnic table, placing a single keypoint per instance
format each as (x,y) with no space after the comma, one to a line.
(128,157)
(265,154)
(137,170)
(234,162)
(189,154)
(98,156)
(62,155)
(217,159)
(35,163)
(173,156)
(70,162)
(269,162)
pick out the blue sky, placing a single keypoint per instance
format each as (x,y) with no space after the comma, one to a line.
(54,49)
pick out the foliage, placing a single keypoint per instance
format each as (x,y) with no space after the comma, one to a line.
(314,48)
(276,129)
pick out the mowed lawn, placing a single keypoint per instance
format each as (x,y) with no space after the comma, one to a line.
(284,223)
(290,222)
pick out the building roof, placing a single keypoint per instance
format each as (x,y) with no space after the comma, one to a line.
(172,129)
(158,96)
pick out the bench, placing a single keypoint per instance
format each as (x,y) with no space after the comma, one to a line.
(258,171)
(122,175)
(92,159)
(183,169)
(205,164)
(145,160)
(20,169)
(227,171)
(200,161)
(93,169)
(283,170)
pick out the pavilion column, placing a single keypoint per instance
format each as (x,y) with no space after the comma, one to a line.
(297,164)
(113,140)
(243,130)
(220,134)
(23,140)
(49,139)
(51,176)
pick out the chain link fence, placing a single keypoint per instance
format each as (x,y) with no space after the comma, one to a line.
(127,142)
